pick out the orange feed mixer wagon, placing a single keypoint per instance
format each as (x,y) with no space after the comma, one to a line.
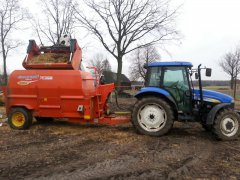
(55,86)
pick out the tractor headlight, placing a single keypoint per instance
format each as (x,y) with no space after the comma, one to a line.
(212,100)
(215,101)
(232,101)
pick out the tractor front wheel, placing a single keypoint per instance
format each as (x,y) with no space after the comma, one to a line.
(226,125)
(152,116)
(20,118)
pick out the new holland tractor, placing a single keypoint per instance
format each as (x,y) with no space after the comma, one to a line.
(169,95)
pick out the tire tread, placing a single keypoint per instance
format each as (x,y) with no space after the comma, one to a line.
(216,127)
(27,114)
(164,104)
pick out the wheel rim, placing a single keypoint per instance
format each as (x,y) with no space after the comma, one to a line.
(152,117)
(18,119)
(229,126)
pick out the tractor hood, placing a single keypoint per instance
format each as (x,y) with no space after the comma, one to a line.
(213,96)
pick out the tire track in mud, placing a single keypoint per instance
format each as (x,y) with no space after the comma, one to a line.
(103,152)
(190,163)
(55,149)
(69,141)
(108,149)
(94,157)
(224,163)
(117,163)
(141,157)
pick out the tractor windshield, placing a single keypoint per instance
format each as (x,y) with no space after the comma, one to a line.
(175,76)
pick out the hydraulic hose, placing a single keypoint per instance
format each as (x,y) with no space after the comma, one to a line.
(116,100)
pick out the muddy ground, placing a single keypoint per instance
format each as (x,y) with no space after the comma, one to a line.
(60,150)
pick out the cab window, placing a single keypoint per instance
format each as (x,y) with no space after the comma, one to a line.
(153,77)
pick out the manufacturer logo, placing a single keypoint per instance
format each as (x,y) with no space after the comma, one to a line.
(28,77)
(24,83)
(26,80)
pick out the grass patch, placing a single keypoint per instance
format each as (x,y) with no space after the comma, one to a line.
(217,88)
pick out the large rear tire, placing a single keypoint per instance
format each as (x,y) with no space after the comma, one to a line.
(20,118)
(227,125)
(152,116)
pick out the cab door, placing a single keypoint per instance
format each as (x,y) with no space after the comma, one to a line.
(175,81)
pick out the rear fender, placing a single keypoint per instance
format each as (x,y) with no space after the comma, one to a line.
(153,91)
(27,107)
(211,115)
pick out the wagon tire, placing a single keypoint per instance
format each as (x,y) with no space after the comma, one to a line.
(20,118)
(152,116)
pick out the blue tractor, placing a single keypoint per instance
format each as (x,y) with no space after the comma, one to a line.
(169,95)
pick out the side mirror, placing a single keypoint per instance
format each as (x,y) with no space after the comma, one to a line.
(208,72)
(196,75)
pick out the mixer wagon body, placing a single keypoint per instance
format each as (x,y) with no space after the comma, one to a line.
(54,85)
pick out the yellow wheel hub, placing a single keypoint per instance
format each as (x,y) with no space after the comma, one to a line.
(18,119)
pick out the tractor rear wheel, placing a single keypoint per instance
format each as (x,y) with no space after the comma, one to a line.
(20,118)
(152,116)
(226,125)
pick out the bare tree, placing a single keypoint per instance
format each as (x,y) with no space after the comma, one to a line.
(237,69)
(121,25)
(231,65)
(11,15)
(228,65)
(96,61)
(106,66)
(58,20)
(142,56)
(101,63)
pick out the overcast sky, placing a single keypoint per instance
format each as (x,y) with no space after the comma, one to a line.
(209,28)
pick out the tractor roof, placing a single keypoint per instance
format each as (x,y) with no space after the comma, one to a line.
(172,63)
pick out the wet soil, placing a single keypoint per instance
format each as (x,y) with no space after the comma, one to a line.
(61,150)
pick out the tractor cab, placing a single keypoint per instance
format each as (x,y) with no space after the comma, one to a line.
(176,79)
(172,77)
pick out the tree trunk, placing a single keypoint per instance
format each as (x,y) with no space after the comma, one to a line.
(3,55)
(4,65)
(235,88)
(5,71)
(119,72)
(232,82)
